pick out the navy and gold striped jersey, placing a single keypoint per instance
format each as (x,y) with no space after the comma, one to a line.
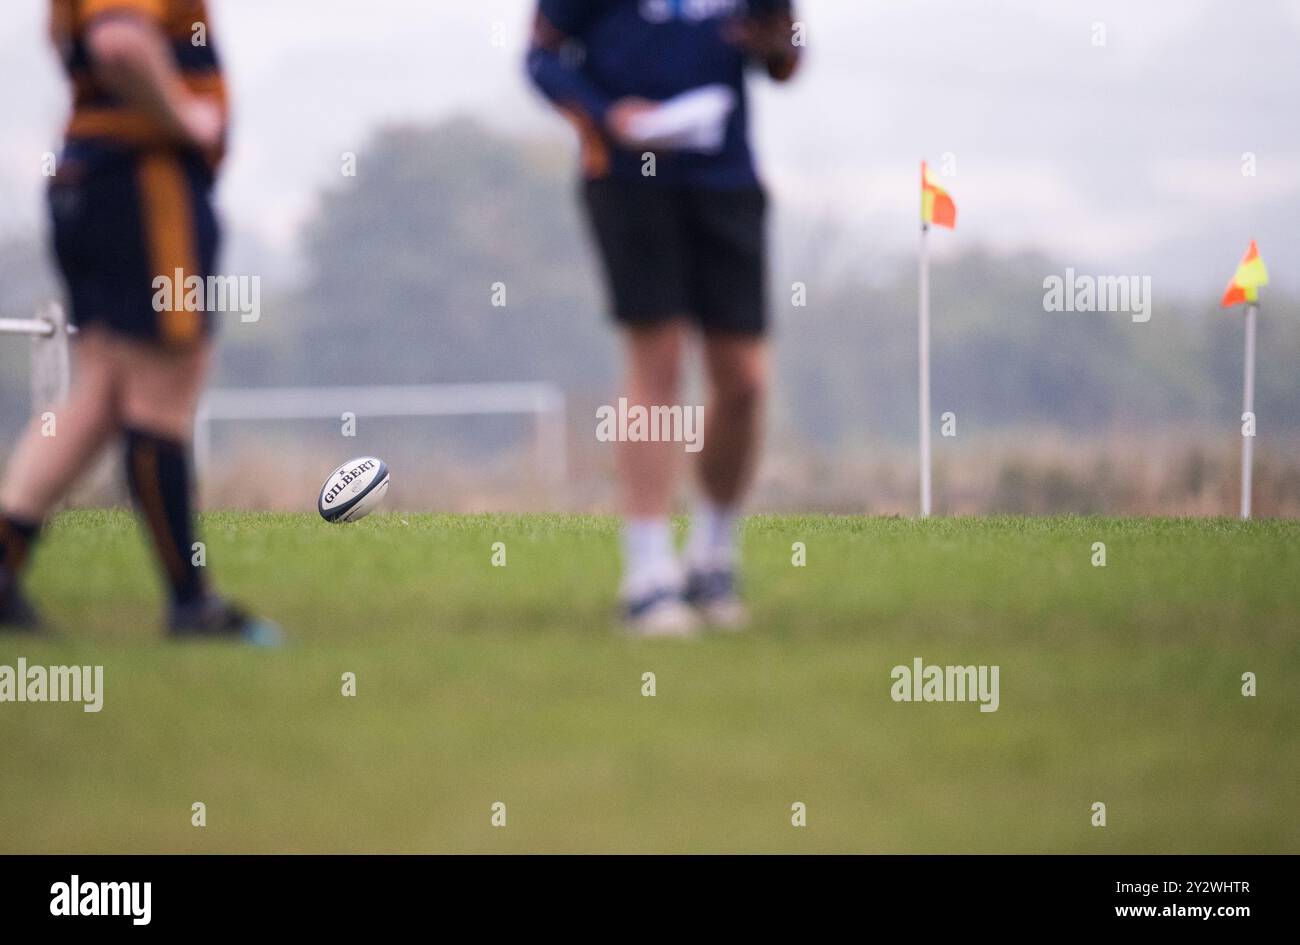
(96,113)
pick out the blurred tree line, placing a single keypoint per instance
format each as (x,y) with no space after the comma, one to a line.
(409,261)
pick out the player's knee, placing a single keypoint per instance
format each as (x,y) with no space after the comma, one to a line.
(171,419)
(660,385)
(161,391)
(167,410)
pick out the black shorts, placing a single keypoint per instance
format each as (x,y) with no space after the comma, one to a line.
(682,251)
(121,219)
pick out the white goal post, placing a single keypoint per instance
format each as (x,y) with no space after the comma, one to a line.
(544,402)
(50,374)
(49,331)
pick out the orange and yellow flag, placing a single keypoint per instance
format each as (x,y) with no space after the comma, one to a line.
(1250,275)
(936,206)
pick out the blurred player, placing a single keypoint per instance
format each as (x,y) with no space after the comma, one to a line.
(131,202)
(680,227)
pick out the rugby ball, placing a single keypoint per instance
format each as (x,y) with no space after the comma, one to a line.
(354,490)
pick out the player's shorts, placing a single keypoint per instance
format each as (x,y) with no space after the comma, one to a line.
(122,219)
(682,251)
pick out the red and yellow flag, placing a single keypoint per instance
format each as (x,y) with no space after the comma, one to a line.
(936,206)
(1250,275)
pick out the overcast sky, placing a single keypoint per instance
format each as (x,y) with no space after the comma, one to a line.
(1122,158)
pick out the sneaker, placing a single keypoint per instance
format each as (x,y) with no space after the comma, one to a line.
(713,595)
(661,613)
(16,612)
(213,618)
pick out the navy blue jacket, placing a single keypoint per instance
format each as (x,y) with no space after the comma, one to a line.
(587,54)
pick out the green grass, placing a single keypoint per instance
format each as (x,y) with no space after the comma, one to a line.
(480,684)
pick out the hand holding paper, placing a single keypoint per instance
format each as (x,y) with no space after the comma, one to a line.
(693,121)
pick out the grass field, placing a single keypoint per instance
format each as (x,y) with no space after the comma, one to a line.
(479,684)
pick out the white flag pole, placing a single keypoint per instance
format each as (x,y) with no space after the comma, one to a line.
(924,331)
(1248,407)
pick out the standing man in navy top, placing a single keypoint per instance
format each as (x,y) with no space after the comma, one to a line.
(680,225)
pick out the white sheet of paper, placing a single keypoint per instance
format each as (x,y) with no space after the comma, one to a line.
(693,121)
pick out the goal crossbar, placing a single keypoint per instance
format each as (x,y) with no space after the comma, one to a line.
(545,402)
(37,327)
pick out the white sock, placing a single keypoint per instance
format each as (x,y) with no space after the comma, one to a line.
(713,538)
(649,563)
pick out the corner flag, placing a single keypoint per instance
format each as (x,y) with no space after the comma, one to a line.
(1250,275)
(1244,287)
(936,206)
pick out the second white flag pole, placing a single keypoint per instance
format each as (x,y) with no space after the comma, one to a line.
(1248,407)
(924,332)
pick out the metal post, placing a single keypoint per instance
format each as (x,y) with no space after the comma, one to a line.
(1248,408)
(924,380)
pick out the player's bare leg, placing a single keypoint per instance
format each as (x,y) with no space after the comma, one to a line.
(52,454)
(160,390)
(647,471)
(652,580)
(159,394)
(160,386)
(737,369)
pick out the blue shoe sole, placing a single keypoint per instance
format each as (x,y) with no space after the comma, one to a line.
(263,634)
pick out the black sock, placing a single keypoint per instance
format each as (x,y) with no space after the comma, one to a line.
(16,539)
(158,471)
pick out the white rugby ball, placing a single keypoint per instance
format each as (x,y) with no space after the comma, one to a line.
(354,490)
